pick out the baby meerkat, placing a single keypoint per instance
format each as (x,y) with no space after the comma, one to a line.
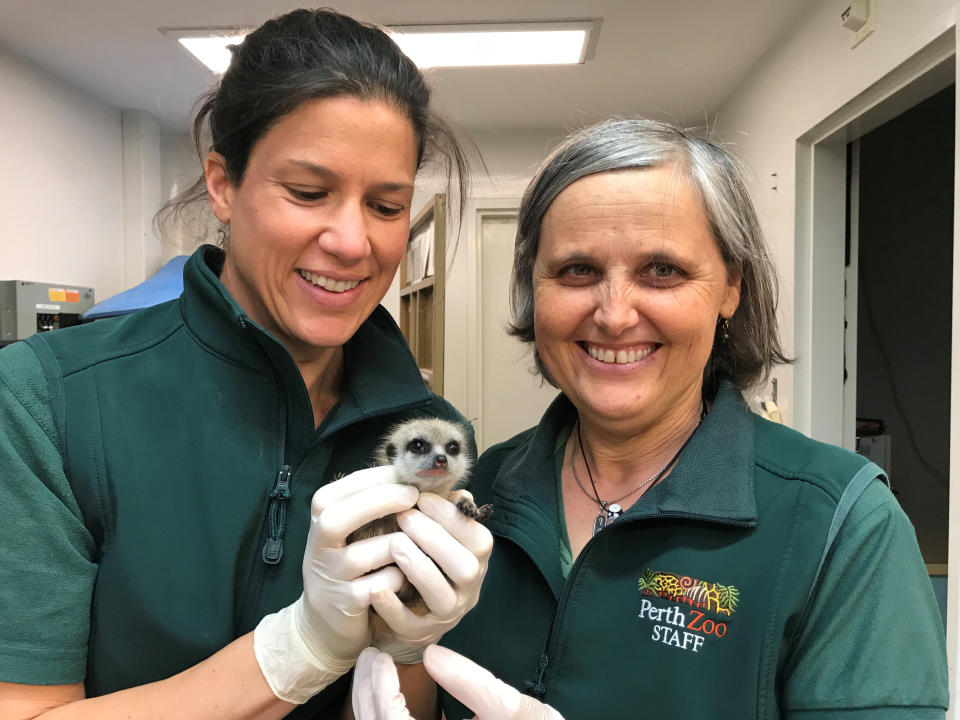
(431,454)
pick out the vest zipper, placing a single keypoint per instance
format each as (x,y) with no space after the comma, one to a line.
(277,518)
(272,550)
(274,529)
(535,686)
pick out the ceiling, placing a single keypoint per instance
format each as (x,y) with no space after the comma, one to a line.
(679,58)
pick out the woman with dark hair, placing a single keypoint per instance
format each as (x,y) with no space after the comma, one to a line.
(161,471)
(659,549)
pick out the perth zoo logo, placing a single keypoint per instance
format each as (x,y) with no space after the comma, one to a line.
(686,628)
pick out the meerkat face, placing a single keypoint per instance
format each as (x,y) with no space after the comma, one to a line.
(428,453)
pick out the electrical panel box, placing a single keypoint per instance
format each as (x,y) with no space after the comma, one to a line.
(31,307)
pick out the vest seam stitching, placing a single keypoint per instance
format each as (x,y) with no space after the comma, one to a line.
(120,353)
(821,482)
(767,638)
(96,450)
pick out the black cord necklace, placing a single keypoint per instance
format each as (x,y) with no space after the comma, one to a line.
(610,510)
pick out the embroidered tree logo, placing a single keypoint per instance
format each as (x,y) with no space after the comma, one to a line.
(728,596)
(648,582)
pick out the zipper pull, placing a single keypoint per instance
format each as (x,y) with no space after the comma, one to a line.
(281,491)
(535,687)
(277,518)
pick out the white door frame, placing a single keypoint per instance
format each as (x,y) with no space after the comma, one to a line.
(851,295)
(477,210)
(821,408)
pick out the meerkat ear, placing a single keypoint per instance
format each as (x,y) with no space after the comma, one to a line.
(391,451)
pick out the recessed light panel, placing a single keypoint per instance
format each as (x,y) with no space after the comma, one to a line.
(212,51)
(467,45)
(485,48)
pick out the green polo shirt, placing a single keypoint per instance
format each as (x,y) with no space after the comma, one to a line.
(156,473)
(704,599)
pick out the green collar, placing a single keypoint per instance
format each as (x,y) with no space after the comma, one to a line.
(379,373)
(711,482)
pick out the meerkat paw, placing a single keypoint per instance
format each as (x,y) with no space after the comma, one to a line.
(463,499)
(483,513)
(469,508)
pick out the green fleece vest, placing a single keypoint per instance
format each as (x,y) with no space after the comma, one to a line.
(159,469)
(708,598)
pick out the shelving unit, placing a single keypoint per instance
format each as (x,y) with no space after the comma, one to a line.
(422,290)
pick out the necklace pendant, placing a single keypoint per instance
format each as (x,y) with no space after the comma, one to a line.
(600,522)
(613,511)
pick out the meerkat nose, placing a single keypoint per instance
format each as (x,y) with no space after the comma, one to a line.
(441,461)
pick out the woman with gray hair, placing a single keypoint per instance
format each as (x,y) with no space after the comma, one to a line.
(659,549)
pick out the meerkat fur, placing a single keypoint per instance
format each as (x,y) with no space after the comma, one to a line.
(432,455)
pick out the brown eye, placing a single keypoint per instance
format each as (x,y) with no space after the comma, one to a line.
(418,447)
(307,195)
(386,210)
(453,448)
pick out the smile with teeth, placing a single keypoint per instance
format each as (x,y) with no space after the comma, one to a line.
(619,357)
(329,284)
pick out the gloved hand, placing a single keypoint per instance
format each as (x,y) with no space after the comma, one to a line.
(376,689)
(435,538)
(307,645)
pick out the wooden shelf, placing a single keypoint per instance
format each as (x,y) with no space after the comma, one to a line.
(422,301)
(427,282)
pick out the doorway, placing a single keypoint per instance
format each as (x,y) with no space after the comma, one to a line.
(899,307)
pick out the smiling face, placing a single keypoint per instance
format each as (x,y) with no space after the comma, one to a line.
(319,222)
(628,286)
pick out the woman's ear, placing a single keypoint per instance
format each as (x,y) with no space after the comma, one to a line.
(731,300)
(219,188)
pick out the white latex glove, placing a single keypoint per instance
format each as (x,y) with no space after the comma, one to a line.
(376,689)
(438,542)
(309,644)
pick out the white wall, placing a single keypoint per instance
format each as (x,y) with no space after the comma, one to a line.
(61,182)
(141,195)
(808,75)
(179,169)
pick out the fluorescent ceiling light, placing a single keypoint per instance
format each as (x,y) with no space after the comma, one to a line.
(485,45)
(212,51)
(466,45)
(210,45)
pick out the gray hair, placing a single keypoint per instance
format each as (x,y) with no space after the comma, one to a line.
(752,346)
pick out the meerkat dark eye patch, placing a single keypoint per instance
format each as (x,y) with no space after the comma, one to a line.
(418,447)
(453,448)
